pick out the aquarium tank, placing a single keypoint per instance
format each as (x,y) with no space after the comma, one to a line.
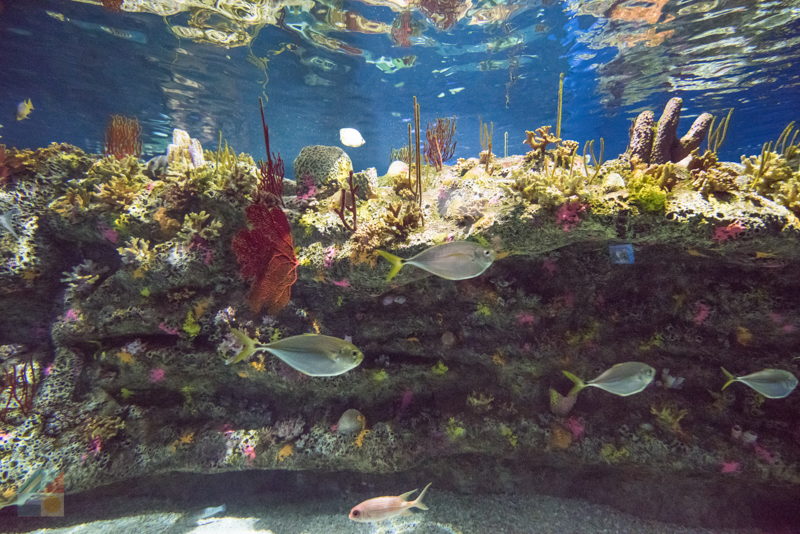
(400,266)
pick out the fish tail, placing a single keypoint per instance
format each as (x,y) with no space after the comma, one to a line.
(396,262)
(731,379)
(418,501)
(249,346)
(579,383)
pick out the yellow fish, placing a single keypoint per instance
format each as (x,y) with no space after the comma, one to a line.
(696,253)
(24,109)
(764,255)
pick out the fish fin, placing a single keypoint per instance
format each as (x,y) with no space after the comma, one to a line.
(731,379)
(418,501)
(396,262)
(249,346)
(579,383)
(407,494)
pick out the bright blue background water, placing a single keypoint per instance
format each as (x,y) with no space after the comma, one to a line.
(715,54)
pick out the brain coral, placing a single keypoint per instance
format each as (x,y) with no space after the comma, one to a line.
(329,166)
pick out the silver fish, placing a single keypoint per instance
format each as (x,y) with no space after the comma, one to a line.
(157,166)
(7,221)
(456,260)
(622,379)
(311,354)
(771,383)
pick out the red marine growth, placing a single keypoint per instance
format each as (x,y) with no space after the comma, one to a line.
(265,250)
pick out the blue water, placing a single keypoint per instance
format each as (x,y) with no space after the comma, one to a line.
(80,62)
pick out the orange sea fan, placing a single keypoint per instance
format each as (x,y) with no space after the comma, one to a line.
(123,137)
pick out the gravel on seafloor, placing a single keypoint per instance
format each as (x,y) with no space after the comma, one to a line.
(449,513)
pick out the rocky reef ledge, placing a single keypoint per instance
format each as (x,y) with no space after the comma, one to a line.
(119,289)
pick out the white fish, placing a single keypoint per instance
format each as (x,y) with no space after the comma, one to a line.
(622,379)
(771,383)
(351,137)
(311,354)
(456,260)
(381,508)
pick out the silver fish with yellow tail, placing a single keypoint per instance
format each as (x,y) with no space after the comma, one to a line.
(456,260)
(771,383)
(311,354)
(622,379)
(381,508)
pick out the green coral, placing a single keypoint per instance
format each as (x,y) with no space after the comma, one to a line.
(455,429)
(773,177)
(440,369)
(190,324)
(198,225)
(614,455)
(647,195)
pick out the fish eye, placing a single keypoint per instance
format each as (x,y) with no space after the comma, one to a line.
(355,513)
(354,352)
(487,252)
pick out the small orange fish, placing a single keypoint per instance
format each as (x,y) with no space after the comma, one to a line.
(381,508)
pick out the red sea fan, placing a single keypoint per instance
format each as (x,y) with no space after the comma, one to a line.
(440,143)
(265,250)
(265,253)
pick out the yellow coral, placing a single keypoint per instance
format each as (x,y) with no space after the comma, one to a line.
(669,417)
(359,441)
(286,451)
(125,357)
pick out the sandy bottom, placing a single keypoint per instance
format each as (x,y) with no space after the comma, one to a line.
(449,514)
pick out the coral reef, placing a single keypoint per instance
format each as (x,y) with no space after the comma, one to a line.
(122,288)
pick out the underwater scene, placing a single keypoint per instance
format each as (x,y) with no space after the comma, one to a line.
(400,266)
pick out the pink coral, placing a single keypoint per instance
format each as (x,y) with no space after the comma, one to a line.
(71,315)
(164,327)
(568,215)
(730,467)
(576,427)
(307,189)
(525,318)
(109,234)
(701,312)
(550,266)
(725,233)
(249,452)
(157,374)
(330,256)
(764,454)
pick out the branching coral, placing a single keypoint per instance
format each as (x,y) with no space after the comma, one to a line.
(538,141)
(137,252)
(401,219)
